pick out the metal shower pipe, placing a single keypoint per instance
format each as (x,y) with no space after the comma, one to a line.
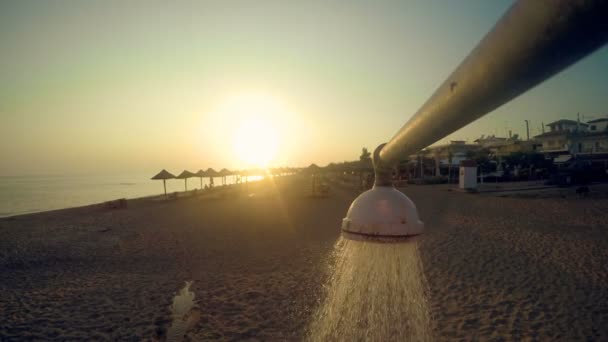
(534,40)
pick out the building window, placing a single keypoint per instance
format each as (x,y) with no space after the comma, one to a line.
(597,146)
(592,127)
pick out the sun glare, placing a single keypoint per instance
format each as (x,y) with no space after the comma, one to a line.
(261,128)
(256,141)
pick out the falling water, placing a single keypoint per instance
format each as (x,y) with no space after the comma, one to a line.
(376,292)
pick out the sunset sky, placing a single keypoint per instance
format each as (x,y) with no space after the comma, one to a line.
(112,86)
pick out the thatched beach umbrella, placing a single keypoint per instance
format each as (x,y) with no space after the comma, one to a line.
(244,174)
(276,171)
(185,175)
(164,175)
(211,173)
(200,173)
(313,169)
(224,173)
(236,177)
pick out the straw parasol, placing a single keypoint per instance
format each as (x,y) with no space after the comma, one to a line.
(244,174)
(275,171)
(224,173)
(211,173)
(164,175)
(200,173)
(185,175)
(313,169)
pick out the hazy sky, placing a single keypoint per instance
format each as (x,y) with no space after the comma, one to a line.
(101,86)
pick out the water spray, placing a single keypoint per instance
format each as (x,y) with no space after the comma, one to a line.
(534,40)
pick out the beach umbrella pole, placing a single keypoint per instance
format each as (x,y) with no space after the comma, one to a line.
(533,41)
(164,175)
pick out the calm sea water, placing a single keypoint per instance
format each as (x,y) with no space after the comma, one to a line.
(22,195)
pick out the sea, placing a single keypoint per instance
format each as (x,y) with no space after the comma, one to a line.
(29,194)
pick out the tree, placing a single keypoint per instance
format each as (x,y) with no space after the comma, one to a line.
(365,166)
(365,155)
(482,158)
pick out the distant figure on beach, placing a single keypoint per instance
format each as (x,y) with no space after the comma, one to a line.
(582,191)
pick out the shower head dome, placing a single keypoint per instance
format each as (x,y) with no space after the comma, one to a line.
(382,214)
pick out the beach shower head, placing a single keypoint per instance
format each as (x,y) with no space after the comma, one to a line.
(533,41)
(382,214)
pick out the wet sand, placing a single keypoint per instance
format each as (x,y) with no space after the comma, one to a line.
(498,268)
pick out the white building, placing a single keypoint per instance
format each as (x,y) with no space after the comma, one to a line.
(568,138)
(567,126)
(450,154)
(598,125)
(490,141)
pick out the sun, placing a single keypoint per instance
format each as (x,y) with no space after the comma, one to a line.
(256,141)
(260,126)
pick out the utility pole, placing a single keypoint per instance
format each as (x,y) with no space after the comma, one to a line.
(527,129)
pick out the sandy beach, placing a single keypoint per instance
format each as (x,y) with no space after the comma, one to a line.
(497,268)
